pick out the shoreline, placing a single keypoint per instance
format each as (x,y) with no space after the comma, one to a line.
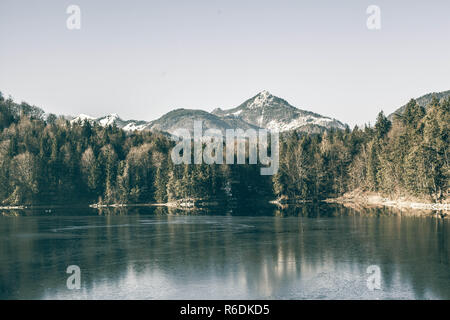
(13,207)
(351,199)
(371,199)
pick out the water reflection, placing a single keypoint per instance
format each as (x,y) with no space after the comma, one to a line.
(307,252)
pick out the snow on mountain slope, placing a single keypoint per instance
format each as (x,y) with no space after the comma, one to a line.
(81,118)
(268,111)
(113,119)
(109,120)
(261,111)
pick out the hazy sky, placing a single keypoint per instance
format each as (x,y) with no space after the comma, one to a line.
(141,59)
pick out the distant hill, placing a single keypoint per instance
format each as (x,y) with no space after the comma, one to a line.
(423,101)
(184,118)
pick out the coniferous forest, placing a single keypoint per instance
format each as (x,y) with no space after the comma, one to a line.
(48,160)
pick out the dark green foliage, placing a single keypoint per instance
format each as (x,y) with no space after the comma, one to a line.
(382,126)
(406,157)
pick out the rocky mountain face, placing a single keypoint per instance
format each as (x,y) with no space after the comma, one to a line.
(267,111)
(423,101)
(261,111)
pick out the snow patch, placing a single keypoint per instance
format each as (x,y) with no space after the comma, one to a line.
(82,118)
(281,126)
(132,126)
(109,119)
(264,98)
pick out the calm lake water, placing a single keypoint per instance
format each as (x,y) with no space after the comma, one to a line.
(308,252)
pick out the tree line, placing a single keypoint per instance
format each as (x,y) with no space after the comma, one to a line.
(406,157)
(48,160)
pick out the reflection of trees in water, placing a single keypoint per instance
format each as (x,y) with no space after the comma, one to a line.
(265,255)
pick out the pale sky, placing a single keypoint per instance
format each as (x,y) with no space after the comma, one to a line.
(141,59)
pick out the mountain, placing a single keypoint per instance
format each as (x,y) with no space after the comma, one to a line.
(267,111)
(184,118)
(82,118)
(261,111)
(127,125)
(423,101)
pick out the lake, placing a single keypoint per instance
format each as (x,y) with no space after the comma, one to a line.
(307,252)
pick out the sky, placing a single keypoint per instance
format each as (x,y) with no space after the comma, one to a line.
(141,59)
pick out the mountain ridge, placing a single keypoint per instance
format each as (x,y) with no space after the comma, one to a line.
(263,110)
(422,101)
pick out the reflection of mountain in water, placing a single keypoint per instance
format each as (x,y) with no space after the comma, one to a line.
(312,252)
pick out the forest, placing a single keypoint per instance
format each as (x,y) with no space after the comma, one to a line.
(44,159)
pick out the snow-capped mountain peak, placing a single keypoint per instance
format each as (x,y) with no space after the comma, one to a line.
(262,99)
(109,119)
(265,94)
(82,117)
(270,112)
